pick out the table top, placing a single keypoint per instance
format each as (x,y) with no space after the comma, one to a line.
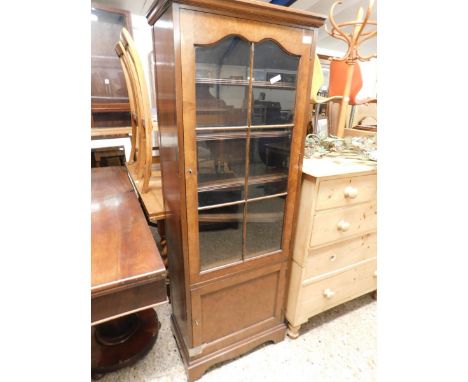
(337,166)
(123,251)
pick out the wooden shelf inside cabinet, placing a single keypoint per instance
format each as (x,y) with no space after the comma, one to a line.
(259,84)
(261,179)
(277,85)
(221,81)
(230,164)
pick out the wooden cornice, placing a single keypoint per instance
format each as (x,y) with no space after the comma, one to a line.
(250,9)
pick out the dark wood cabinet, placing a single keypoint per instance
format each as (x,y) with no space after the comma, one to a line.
(232,88)
(109,98)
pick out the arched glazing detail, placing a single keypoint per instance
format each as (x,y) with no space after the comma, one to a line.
(242,154)
(274,84)
(222,82)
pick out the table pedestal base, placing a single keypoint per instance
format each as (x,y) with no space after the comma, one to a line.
(122,342)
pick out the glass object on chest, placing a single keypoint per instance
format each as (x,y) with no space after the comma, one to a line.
(245,99)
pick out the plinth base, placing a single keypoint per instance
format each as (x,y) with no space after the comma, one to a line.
(195,367)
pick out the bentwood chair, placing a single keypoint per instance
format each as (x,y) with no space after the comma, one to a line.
(144,151)
(132,93)
(143,166)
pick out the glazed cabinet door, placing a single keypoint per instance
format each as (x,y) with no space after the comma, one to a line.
(244,118)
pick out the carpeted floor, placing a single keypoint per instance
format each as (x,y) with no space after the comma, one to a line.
(336,346)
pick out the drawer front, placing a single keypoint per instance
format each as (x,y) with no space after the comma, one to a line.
(346,191)
(327,293)
(339,224)
(340,255)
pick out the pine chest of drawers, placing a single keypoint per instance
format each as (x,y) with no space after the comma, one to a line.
(335,248)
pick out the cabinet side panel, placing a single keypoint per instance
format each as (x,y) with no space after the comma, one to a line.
(163,40)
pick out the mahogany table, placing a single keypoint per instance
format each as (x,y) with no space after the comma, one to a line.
(127,274)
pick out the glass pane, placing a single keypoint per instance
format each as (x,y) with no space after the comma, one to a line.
(221,158)
(220,235)
(274,84)
(273,64)
(222,79)
(269,152)
(107,79)
(259,187)
(228,59)
(219,194)
(221,105)
(272,106)
(264,226)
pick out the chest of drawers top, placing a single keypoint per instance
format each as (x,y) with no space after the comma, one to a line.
(337,167)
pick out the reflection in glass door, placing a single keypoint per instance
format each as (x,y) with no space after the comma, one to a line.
(274,85)
(245,97)
(222,83)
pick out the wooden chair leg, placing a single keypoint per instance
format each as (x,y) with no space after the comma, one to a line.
(162,234)
(161,227)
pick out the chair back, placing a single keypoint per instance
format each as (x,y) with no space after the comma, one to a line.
(143,109)
(338,74)
(132,94)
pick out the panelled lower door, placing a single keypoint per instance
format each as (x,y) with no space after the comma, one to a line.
(244,119)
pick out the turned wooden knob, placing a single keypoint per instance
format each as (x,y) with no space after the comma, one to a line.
(328,293)
(350,192)
(343,225)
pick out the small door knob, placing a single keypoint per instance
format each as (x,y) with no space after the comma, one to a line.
(343,225)
(189,171)
(350,192)
(328,293)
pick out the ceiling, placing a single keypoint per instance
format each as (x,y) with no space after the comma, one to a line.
(343,12)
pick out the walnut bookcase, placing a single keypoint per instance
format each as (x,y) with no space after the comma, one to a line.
(232,88)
